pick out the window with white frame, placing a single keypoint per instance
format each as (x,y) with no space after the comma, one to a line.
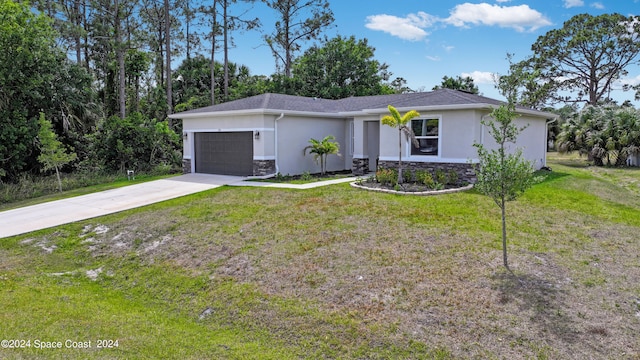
(426,132)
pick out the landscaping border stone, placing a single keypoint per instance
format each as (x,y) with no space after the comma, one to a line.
(416,193)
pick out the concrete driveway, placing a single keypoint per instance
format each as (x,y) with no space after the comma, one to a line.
(54,213)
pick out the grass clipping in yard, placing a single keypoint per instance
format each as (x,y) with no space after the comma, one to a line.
(335,272)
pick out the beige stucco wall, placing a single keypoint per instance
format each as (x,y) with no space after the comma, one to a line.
(293,134)
(459,130)
(532,140)
(263,146)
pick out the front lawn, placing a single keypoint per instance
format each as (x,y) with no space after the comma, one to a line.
(335,272)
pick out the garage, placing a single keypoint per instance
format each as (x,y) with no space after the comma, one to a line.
(225,153)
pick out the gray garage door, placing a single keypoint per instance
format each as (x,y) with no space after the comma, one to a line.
(227,153)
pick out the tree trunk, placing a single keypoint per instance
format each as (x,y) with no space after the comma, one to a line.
(76,36)
(59,181)
(167,36)
(287,64)
(187,26)
(85,37)
(226,50)
(504,235)
(121,67)
(400,156)
(214,28)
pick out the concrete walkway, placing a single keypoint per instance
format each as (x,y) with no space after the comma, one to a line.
(59,212)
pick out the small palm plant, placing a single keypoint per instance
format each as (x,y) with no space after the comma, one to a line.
(396,121)
(321,149)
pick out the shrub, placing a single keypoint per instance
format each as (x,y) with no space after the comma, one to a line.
(387,176)
(424,177)
(452,178)
(408,176)
(441,176)
(135,142)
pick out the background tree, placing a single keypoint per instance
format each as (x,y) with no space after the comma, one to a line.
(395,120)
(338,69)
(231,23)
(193,88)
(399,86)
(584,57)
(553,129)
(135,142)
(607,135)
(321,149)
(292,28)
(53,154)
(110,30)
(35,77)
(502,175)
(458,83)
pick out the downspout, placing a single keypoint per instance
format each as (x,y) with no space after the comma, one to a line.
(275,134)
(546,139)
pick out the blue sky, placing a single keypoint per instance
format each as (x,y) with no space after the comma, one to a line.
(424,40)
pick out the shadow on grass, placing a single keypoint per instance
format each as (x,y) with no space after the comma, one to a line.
(548,176)
(573,163)
(540,299)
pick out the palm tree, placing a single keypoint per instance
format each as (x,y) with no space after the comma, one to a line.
(321,149)
(396,121)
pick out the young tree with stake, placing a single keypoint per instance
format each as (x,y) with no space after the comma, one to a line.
(503,175)
(53,153)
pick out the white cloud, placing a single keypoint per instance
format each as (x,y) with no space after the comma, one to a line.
(597,5)
(502,1)
(573,3)
(433,58)
(520,17)
(448,48)
(408,28)
(628,81)
(480,77)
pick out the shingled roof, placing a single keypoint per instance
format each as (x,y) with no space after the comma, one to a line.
(270,102)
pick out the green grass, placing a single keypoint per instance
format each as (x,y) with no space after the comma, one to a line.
(337,272)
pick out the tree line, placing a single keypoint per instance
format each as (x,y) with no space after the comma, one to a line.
(101,72)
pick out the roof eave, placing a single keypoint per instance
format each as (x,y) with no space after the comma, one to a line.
(216,114)
(429,108)
(433,108)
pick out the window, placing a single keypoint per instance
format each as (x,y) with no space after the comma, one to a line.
(426,131)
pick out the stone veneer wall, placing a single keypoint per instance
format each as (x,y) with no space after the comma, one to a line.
(264,167)
(186,166)
(465,171)
(360,166)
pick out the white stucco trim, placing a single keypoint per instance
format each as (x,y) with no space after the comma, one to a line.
(426,159)
(205,130)
(360,156)
(264,158)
